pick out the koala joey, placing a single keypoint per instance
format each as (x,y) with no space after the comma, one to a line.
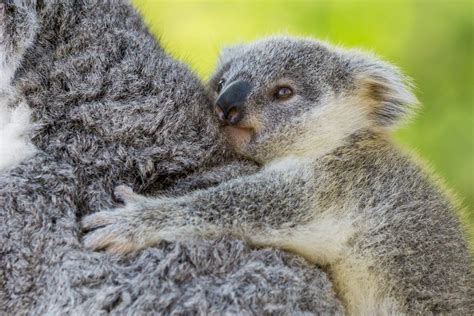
(333,187)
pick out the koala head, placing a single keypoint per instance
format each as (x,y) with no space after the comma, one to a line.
(284,95)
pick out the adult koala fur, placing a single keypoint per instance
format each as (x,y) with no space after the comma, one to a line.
(110,107)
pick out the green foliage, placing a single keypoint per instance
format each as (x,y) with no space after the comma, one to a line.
(431,41)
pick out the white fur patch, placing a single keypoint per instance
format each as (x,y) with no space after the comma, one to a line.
(326,241)
(15,125)
(363,292)
(286,164)
(328,127)
(7,70)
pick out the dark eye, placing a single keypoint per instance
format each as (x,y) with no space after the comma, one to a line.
(283,93)
(220,85)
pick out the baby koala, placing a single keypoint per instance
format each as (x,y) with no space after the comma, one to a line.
(333,187)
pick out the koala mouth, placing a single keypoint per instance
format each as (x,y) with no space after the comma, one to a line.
(239,136)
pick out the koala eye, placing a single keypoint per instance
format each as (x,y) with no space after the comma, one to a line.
(220,85)
(283,93)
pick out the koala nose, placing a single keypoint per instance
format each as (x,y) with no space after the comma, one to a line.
(230,104)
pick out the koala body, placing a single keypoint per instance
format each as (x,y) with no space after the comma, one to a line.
(334,188)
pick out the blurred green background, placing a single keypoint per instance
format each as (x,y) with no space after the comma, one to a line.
(431,41)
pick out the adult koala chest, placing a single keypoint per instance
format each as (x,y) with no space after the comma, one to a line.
(103,92)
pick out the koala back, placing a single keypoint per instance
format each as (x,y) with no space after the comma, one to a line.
(407,226)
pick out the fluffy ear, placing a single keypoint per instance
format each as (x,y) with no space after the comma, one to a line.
(384,88)
(229,52)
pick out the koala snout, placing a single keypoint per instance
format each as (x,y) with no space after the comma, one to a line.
(230,105)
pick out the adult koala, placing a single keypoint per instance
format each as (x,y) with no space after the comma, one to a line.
(110,107)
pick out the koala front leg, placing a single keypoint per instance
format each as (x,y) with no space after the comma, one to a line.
(204,179)
(255,208)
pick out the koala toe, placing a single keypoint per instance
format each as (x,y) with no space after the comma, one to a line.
(98,219)
(110,242)
(123,248)
(101,238)
(125,194)
(114,238)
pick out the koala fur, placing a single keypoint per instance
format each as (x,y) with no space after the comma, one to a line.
(108,107)
(334,188)
(19,27)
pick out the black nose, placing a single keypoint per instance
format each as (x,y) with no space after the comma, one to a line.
(230,104)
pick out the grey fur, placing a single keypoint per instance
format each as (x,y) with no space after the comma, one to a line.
(334,188)
(111,107)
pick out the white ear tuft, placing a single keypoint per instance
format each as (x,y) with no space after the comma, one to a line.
(388,91)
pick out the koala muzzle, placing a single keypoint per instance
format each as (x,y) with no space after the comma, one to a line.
(230,104)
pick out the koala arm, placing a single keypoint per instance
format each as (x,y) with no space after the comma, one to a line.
(253,207)
(203,179)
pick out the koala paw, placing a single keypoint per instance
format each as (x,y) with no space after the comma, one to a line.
(123,229)
(112,231)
